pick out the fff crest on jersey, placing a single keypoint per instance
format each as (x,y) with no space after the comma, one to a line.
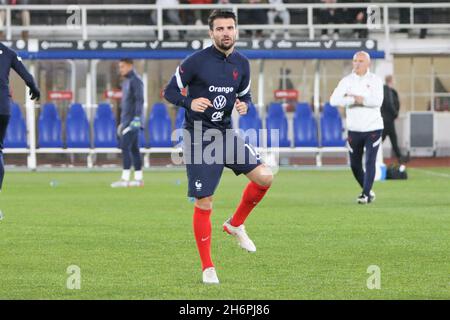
(219,102)
(235,75)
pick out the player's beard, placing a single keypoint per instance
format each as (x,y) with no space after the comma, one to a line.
(225,47)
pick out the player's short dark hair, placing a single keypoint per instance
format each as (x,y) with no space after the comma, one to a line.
(220,14)
(127,61)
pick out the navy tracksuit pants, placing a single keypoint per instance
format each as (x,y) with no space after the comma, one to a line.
(357,141)
(130,150)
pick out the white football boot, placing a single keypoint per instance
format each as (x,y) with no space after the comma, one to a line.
(241,236)
(210,276)
(120,184)
(372,196)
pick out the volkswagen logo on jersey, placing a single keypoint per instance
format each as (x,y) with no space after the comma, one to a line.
(217,116)
(219,102)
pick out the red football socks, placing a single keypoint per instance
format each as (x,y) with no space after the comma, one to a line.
(202,232)
(252,195)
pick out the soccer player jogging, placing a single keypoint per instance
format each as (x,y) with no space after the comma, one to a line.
(218,81)
(361,93)
(130,125)
(9,59)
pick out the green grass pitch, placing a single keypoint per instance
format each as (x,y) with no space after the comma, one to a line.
(313,240)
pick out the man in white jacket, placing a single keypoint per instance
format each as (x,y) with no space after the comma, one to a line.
(361,93)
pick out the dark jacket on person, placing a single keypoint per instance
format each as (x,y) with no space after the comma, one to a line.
(10,60)
(132,98)
(391,104)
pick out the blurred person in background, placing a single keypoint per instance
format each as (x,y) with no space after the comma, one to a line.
(131,116)
(253,17)
(357,16)
(199,15)
(279,12)
(24,14)
(332,16)
(172,15)
(361,93)
(389,111)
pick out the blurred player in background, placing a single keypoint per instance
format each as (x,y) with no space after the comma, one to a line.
(130,125)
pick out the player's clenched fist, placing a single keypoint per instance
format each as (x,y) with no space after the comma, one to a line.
(200,104)
(241,107)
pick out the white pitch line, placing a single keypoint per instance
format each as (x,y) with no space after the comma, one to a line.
(432,173)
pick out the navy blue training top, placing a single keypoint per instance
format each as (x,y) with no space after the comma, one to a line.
(210,74)
(132,103)
(9,59)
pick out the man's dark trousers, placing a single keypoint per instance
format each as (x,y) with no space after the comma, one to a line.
(358,141)
(130,150)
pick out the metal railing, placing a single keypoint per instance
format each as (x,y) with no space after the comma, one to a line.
(77,16)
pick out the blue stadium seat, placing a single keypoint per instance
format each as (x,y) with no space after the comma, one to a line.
(331,111)
(105,130)
(251,121)
(16,133)
(77,128)
(49,127)
(276,119)
(331,127)
(305,127)
(159,127)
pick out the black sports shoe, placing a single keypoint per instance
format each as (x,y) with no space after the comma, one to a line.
(363,199)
